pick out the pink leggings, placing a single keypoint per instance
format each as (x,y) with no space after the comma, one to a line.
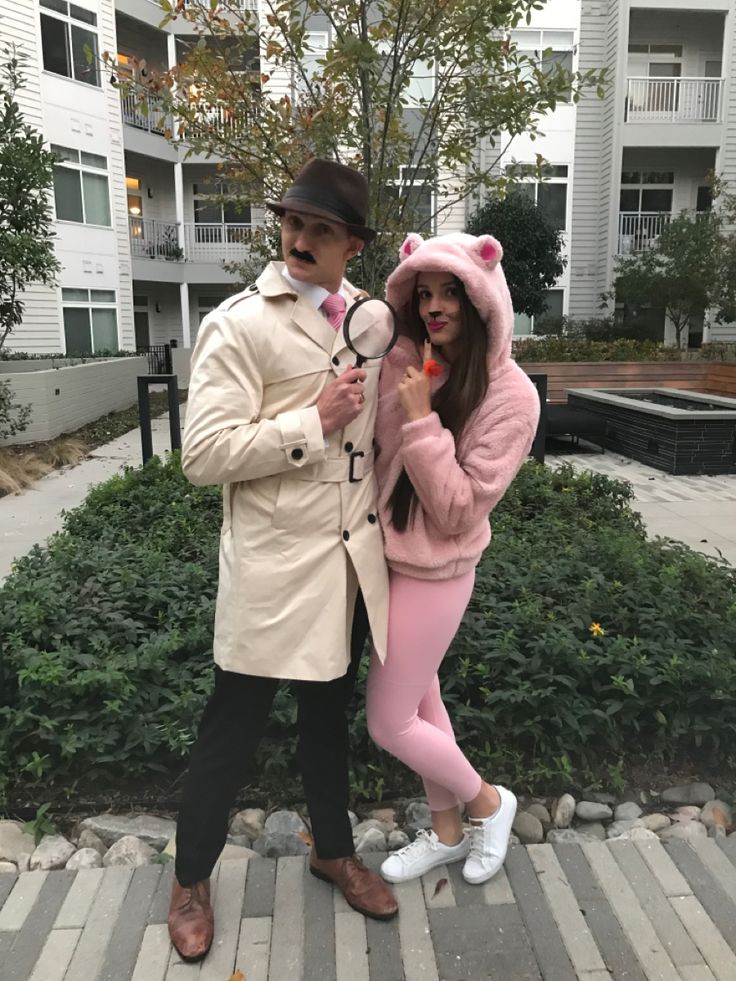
(406,715)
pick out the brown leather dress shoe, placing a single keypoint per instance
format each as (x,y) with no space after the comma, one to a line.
(363,889)
(191,920)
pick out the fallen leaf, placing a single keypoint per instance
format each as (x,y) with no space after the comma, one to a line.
(238,976)
(306,838)
(441,883)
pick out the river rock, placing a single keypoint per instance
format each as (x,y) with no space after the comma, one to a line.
(249,823)
(85,858)
(690,793)
(418,815)
(154,831)
(588,810)
(53,852)
(593,828)
(397,840)
(628,811)
(541,813)
(528,828)
(14,841)
(716,813)
(371,840)
(129,851)
(564,811)
(88,839)
(278,844)
(655,822)
(285,822)
(687,831)
(617,828)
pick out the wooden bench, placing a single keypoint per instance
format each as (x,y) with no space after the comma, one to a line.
(713,378)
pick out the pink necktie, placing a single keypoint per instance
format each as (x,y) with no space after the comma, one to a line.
(333,307)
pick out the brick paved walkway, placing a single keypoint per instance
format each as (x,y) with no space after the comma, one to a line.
(629,911)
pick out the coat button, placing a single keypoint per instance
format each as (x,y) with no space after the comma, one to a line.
(336,360)
(346,535)
(348,447)
(372,518)
(297,454)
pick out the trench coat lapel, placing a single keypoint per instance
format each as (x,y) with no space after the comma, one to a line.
(313,324)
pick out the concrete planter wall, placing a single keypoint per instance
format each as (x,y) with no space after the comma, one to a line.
(181,358)
(65,398)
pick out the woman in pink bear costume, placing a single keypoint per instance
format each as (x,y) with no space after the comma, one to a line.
(456,419)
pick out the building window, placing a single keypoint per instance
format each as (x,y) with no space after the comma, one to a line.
(134,189)
(550,194)
(416,196)
(545,49)
(547,322)
(219,221)
(90,321)
(646,192)
(69,41)
(316,44)
(81,191)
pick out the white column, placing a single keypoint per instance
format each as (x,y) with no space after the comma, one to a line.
(186,328)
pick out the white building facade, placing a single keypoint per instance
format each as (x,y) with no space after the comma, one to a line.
(142,246)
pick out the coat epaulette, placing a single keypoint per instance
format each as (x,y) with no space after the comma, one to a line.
(252,290)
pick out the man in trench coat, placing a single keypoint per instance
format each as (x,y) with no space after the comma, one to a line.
(279,417)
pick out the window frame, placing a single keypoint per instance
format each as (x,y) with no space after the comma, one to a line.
(82,168)
(525,173)
(90,305)
(70,22)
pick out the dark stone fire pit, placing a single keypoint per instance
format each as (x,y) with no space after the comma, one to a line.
(670,429)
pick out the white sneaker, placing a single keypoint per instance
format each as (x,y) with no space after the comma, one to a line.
(424,853)
(489,840)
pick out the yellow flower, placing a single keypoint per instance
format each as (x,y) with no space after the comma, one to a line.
(597,630)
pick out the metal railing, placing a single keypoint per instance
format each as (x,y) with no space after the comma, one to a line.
(153,119)
(638,231)
(679,100)
(159,358)
(211,242)
(153,239)
(237,4)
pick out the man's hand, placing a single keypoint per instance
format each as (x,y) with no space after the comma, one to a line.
(342,400)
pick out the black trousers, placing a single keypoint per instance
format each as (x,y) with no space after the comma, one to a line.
(231,728)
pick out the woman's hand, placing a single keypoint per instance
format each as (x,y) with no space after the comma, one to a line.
(415,390)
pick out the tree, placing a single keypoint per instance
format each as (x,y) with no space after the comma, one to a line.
(532,248)
(689,269)
(415,93)
(26,177)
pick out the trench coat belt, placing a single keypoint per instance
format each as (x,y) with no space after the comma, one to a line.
(346,469)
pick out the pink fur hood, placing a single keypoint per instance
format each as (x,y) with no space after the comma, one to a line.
(457,486)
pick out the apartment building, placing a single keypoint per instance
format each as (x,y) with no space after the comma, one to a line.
(642,154)
(142,245)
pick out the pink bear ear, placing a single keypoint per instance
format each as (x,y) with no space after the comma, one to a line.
(490,250)
(411,244)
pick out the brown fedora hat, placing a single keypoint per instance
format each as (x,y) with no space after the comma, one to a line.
(329,190)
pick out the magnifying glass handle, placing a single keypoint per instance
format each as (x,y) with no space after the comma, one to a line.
(359,361)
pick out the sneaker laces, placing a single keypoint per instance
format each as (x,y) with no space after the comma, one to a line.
(477,841)
(423,839)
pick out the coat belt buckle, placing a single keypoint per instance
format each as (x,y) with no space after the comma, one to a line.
(352,479)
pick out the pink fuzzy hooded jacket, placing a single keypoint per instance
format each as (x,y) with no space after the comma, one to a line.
(457,486)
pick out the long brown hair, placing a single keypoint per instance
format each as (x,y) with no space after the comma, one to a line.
(455,400)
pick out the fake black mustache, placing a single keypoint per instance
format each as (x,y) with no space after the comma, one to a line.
(304,256)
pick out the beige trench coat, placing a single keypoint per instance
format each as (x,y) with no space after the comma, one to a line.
(298,537)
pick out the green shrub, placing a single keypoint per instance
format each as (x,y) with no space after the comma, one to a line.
(554,348)
(108,643)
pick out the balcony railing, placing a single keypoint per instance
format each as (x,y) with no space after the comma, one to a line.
(211,242)
(236,4)
(638,231)
(678,100)
(152,239)
(225,242)
(153,119)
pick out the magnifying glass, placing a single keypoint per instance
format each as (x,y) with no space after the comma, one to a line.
(370,329)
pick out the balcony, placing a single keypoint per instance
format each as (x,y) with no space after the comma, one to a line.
(673,100)
(638,231)
(213,243)
(148,116)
